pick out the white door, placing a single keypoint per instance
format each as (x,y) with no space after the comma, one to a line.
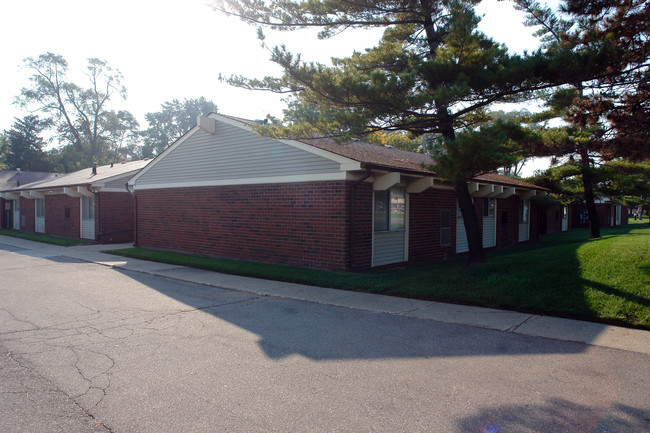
(88,217)
(462,245)
(618,215)
(489,223)
(17,214)
(40,215)
(565,218)
(390,217)
(524,220)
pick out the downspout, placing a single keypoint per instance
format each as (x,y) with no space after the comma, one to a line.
(352,201)
(135,213)
(97,206)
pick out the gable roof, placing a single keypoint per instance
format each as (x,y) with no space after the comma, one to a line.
(389,158)
(352,155)
(85,176)
(16,178)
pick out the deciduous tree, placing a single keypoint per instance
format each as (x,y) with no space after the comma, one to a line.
(173,120)
(79,115)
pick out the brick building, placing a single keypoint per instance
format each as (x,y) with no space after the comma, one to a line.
(92,204)
(223,190)
(13,179)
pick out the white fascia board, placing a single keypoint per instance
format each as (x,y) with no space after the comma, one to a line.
(72,192)
(113,189)
(10,195)
(170,148)
(527,194)
(36,194)
(507,192)
(128,174)
(294,143)
(25,194)
(484,190)
(473,187)
(419,185)
(249,181)
(498,190)
(385,181)
(84,191)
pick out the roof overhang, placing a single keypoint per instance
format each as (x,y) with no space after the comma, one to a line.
(10,195)
(79,191)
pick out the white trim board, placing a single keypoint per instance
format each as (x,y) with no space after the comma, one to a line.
(250,181)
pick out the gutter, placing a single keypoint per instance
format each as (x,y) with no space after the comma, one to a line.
(352,201)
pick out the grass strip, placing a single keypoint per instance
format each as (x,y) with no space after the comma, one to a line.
(567,275)
(36,237)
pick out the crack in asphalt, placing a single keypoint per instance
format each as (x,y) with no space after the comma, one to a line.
(29,391)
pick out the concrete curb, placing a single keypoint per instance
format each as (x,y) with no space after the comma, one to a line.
(595,334)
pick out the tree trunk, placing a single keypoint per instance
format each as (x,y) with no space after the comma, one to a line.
(474,239)
(588,182)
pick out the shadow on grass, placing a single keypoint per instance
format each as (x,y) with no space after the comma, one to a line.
(544,278)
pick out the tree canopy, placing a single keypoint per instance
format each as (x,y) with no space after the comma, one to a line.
(173,120)
(432,72)
(79,115)
(605,116)
(24,147)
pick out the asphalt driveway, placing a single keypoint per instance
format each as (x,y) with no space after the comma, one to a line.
(91,348)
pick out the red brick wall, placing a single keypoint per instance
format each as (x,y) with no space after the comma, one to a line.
(114,217)
(508,221)
(362,248)
(424,225)
(302,224)
(27,215)
(56,224)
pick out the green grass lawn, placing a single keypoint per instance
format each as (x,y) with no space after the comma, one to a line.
(63,242)
(566,274)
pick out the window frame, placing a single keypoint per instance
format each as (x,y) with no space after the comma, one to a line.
(524,211)
(445,230)
(87,208)
(390,207)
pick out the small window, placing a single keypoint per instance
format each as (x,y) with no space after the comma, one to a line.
(445,228)
(489,207)
(390,210)
(524,210)
(66,212)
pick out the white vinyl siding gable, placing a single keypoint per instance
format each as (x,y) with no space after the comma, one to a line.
(233,153)
(118,183)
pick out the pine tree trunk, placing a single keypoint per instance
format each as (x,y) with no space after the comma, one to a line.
(588,182)
(474,239)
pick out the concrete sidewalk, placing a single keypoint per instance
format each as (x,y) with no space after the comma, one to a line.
(596,334)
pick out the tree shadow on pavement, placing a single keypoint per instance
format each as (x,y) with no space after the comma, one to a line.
(557,415)
(322,332)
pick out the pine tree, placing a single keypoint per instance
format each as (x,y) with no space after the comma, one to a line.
(431,73)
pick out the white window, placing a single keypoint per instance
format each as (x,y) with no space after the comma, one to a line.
(40,207)
(390,210)
(489,207)
(524,210)
(88,208)
(445,228)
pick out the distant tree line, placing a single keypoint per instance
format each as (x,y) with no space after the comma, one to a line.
(81,123)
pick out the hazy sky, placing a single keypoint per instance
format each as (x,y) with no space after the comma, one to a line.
(170,49)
